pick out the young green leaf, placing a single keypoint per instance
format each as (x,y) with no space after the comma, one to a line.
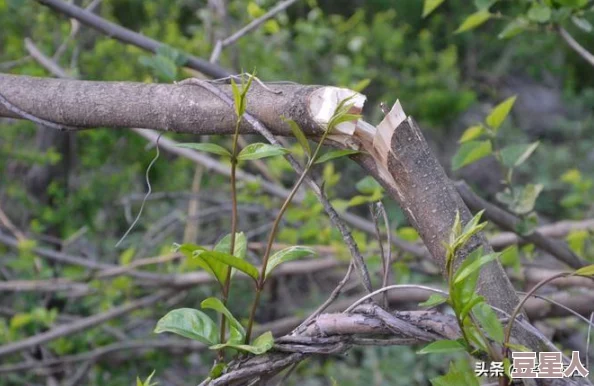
(539,13)
(236,98)
(240,247)
(473,223)
(333,154)
(462,274)
(488,319)
(368,185)
(287,254)
(473,132)
(469,305)
(585,271)
(463,291)
(434,300)
(215,268)
(515,155)
(237,330)
(514,28)
(430,6)
(474,20)
(206,147)
(147,382)
(500,112)
(227,259)
(260,150)
(470,152)
(298,133)
(190,323)
(259,346)
(459,373)
(442,346)
(525,198)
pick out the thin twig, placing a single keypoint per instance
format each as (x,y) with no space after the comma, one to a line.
(330,299)
(577,47)
(257,22)
(15,109)
(127,36)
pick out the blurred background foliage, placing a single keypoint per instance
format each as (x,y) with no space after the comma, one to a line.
(385,48)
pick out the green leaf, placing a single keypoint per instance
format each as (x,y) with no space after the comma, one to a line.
(471,226)
(582,23)
(335,154)
(206,147)
(240,247)
(514,28)
(214,267)
(368,185)
(260,150)
(359,200)
(515,155)
(176,56)
(442,346)
(237,330)
(287,254)
(462,274)
(227,259)
(463,291)
(147,382)
(518,347)
(459,373)
(259,346)
(189,323)
(500,112)
(484,4)
(469,305)
(430,6)
(510,257)
(298,133)
(236,98)
(489,321)
(474,20)
(539,13)
(473,132)
(585,271)
(361,85)
(526,198)
(163,68)
(470,152)
(434,300)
